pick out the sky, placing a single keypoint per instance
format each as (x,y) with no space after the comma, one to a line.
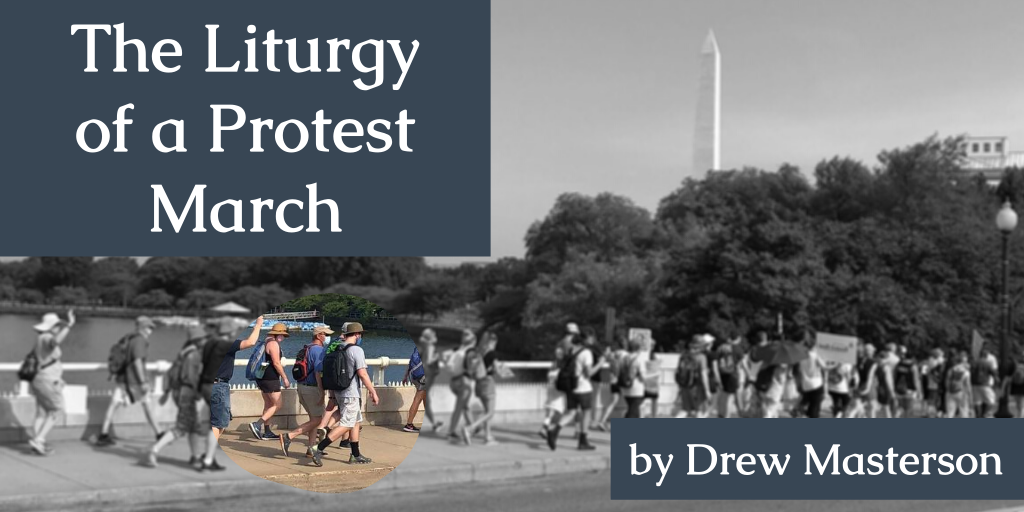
(596,96)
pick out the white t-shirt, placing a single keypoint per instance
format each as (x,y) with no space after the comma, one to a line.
(811,372)
(584,360)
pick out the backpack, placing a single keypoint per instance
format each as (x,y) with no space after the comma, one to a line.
(473,365)
(567,378)
(904,376)
(30,366)
(117,360)
(1018,374)
(300,370)
(625,372)
(416,369)
(955,380)
(686,372)
(835,376)
(257,365)
(186,370)
(337,374)
(980,373)
(727,362)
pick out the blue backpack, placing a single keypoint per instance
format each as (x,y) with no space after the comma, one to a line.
(416,369)
(257,362)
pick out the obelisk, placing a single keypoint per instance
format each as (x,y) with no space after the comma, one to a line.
(706,135)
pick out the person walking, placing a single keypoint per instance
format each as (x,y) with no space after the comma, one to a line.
(727,372)
(350,402)
(983,375)
(218,367)
(486,390)
(461,384)
(183,385)
(864,395)
(310,389)
(841,380)
(416,373)
(47,383)
(693,380)
(958,388)
(1014,384)
(580,399)
(555,405)
(127,365)
(599,376)
(752,371)
(270,383)
(932,370)
(811,379)
(616,359)
(906,383)
(631,379)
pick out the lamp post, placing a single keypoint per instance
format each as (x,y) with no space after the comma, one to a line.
(1006,221)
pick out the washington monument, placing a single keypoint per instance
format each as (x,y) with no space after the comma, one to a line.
(706,135)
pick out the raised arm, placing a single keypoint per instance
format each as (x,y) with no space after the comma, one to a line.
(253,336)
(63,333)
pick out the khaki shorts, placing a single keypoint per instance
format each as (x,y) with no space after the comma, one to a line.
(311,400)
(351,412)
(49,393)
(984,395)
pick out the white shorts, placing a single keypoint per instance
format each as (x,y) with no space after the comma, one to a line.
(351,412)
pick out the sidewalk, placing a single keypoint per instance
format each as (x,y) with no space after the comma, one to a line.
(79,473)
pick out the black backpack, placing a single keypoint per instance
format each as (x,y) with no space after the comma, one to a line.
(337,374)
(567,378)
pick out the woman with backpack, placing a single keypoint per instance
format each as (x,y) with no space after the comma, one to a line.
(46,379)
(692,378)
(616,360)
(270,382)
(461,384)
(958,388)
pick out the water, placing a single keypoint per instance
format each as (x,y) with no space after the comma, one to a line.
(91,338)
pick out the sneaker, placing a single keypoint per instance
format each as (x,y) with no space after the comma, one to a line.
(453,437)
(317,456)
(467,437)
(585,445)
(437,426)
(553,437)
(491,442)
(352,459)
(213,466)
(285,443)
(148,460)
(105,440)
(309,452)
(410,428)
(345,443)
(255,429)
(543,432)
(37,447)
(321,434)
(268,435)
(197,463)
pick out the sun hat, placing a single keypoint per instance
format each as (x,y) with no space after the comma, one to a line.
(322,329)
(49,321)
(351,328)
(279,328)
(194,333)
(428,336)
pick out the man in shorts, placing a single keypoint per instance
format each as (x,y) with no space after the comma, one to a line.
(311,391)
(417,372)
(555,405)
(133,386)
(350,402)
(581,400)
(189,421)
(218,366)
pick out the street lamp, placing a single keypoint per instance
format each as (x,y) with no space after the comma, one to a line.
(1006,221)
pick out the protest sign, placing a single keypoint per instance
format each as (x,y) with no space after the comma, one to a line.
(837,348)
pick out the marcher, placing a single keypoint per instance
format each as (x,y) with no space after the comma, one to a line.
(841,380)
(958,388)
(811,379)
(350,403)
(906,383)
(652,381)
(218,366)
(555,405)
(461,384)
(616,359)
(885,391)
(311,390)
(933,370)
(183,385)
(864,396)
(728,374)
(485,390)
(693,380)
(580,399)
(128,367)
(599,376)
(773,379)
(416,373)
(47,382)
(752,370)
(1014,384)
(983,375)
(631,378)
(270,383)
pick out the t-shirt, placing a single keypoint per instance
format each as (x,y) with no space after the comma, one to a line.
(810,371)
(839,378)
(47,349)
(315,363)
(138,348)
(219,359)
(584,360)
(635,369)
(357,360)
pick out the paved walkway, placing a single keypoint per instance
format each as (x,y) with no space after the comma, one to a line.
(79,474)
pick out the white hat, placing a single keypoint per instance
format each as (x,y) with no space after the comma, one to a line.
(49,320)
(572,328)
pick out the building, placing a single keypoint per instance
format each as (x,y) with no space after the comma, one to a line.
(990,156)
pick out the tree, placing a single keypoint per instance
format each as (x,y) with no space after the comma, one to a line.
(114,280)
(153,299)
(63,271)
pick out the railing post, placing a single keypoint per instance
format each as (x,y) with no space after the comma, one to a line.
(22,388)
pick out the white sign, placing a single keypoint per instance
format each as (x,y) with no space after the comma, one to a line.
(837,348)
